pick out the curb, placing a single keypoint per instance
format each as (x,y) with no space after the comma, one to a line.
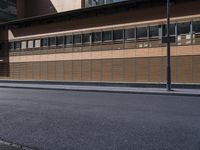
(107,91)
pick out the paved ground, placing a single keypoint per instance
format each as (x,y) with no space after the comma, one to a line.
(61,120)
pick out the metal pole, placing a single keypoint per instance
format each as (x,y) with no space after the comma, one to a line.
(168,48)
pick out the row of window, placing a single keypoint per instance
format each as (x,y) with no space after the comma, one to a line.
(109,36)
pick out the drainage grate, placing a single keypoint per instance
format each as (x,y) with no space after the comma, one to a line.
(10,146)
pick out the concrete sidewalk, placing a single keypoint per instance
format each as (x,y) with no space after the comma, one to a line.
(113,89)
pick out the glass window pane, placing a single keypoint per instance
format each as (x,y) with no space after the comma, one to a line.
(118,34)
(142,32)
(153,31)
(196,27)
(97,37)
(52,41)
(183,28)
(172,29)
(60,40)
(129,34)
(87,38)
(23,44)
(11,45)
(37,43)
(30,44)
(69,40)
(78,39)
(107,36)
(44,42)
(17,45)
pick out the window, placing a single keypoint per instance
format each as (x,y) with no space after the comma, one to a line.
(107,36)
(17,45)
(196,27)
(30,44)
(69,40)
(52,41)
(129,34)
(172,29)
(44,42)
(78,39)
(87,38)
(96,37)
(142,32)
(153,31)
(11,46)
(60,40)
(183,28)
(37,43)
(24,44)
(118,34)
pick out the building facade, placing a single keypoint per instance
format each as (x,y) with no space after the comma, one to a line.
(111,43)
(7,10)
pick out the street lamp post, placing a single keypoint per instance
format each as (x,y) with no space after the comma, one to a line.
(168,48)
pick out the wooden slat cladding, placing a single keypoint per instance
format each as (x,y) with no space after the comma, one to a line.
(76,70)
(51,71)
(129,70)
(67,70)
(96,69)
(107,70)
(36,71)
(59,70)
(86,70)
(142,69)
(196,69)
(155,71)
(185,69)
(118,69)
(44,71)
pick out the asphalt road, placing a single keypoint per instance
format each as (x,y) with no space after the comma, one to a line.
(62,120)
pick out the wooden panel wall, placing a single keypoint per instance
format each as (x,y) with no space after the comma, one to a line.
(185,69)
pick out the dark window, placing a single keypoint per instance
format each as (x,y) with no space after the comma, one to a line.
(52,41)
(183,28)
(172,29)
(69,40)
(11,45)
(87,38)
(107,36)
(44,42)
(78,39)
(96,37)
(60,40)
(142,32)
(129,34)
(153,31)
(118,35)
(17,45)
(196,27)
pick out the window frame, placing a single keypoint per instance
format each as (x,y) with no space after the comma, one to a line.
(118,39)
(142,37)
(74,39)
(132,38)
(90,38)
(93,39)
(179,31)
(109,40)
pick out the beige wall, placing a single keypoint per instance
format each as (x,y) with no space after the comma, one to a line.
(30,8)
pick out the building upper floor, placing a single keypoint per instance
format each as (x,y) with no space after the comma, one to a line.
(7,10)
(30,8)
